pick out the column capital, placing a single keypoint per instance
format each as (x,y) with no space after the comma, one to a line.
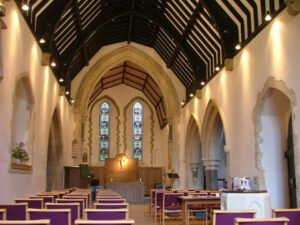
(211,164)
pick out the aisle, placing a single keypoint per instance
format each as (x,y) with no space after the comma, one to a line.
(140,213)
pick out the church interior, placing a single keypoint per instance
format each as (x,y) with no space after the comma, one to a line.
(133,97)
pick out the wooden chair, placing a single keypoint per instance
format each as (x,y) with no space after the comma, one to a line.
(46,198)
(226,217)
(56,216)
(158,201)
(104,222)
(85,198)
(74,207)
(197,211)
(111,205)
(33,203)
(25,222)
(292,214)
(2,214)
(15,211)
(80,201)
(269,221)
(171,206)
(106,214)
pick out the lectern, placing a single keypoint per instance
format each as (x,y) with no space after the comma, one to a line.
(172,177)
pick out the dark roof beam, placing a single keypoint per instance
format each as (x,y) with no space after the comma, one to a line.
(80,34)
(130,25)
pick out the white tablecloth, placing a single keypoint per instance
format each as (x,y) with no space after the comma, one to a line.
(133,192)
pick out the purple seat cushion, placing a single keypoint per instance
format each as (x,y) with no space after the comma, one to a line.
(106,215)
(293,216)
(262,223)
(56,218)
(15,212)
(228,218)
(74,210)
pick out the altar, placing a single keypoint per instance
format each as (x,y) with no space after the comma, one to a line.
(133,192)
(240,200)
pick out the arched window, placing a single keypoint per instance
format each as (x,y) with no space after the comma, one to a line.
(138,130)
(104,126)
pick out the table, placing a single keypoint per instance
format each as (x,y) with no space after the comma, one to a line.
(188,200)
(240,200)
(133,192)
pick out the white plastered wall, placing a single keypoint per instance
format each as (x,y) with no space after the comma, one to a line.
(273,54)
(22,57)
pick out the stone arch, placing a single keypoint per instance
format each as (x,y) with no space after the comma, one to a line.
(151,133)
(275,103)
(213,145)
(138,57)
(193,156)
(89,144)
(55,154)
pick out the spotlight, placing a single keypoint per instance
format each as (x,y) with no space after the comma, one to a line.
(67,92)
(191,95)
(53,64)
(202,83)
(268,16)
(25,5)
(61,80)
(42,41)
(217,68)
(72,100)
(182,103)
(238,47)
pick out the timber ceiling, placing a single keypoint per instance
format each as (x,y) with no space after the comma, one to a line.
(132,75)
(193,37)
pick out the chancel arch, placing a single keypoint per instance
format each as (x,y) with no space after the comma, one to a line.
(55,155)
(275,145)
(213,148)
(194,166)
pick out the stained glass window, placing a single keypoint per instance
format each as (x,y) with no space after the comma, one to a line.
(138,130)
(104,126)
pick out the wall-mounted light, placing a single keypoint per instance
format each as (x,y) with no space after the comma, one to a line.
(42,41)
(202,83)
(67,92)
(182,103)
(25,5)
(191,95)
(238,46)
(72,100)
(268,16)
(61,80)
(217,68)
(53,64)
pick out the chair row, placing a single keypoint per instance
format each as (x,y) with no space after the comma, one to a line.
(77,222)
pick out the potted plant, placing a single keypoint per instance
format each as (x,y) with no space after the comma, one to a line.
(19,152)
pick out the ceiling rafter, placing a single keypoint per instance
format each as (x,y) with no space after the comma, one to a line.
(130,25)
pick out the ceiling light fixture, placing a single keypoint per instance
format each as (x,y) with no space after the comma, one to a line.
(72,100)
(202,83)
(53,64)
(238,46)
(25,5)
(182,103)
(42,41)
(61,80)
(268,16)
(191,95)
(217,68)
(67,92)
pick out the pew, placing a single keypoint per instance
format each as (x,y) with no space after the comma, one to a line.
(33,203)
(106,214)
(105,222)
(56,216)
(292,214)
(2,214)
(269,221)
(80,201)
(25,222)
(15,211)
(74,207)
(111,205)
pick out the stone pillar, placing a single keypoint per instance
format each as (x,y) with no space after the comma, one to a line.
(211,173)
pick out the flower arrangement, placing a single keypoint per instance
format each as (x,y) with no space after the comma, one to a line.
(19,152)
